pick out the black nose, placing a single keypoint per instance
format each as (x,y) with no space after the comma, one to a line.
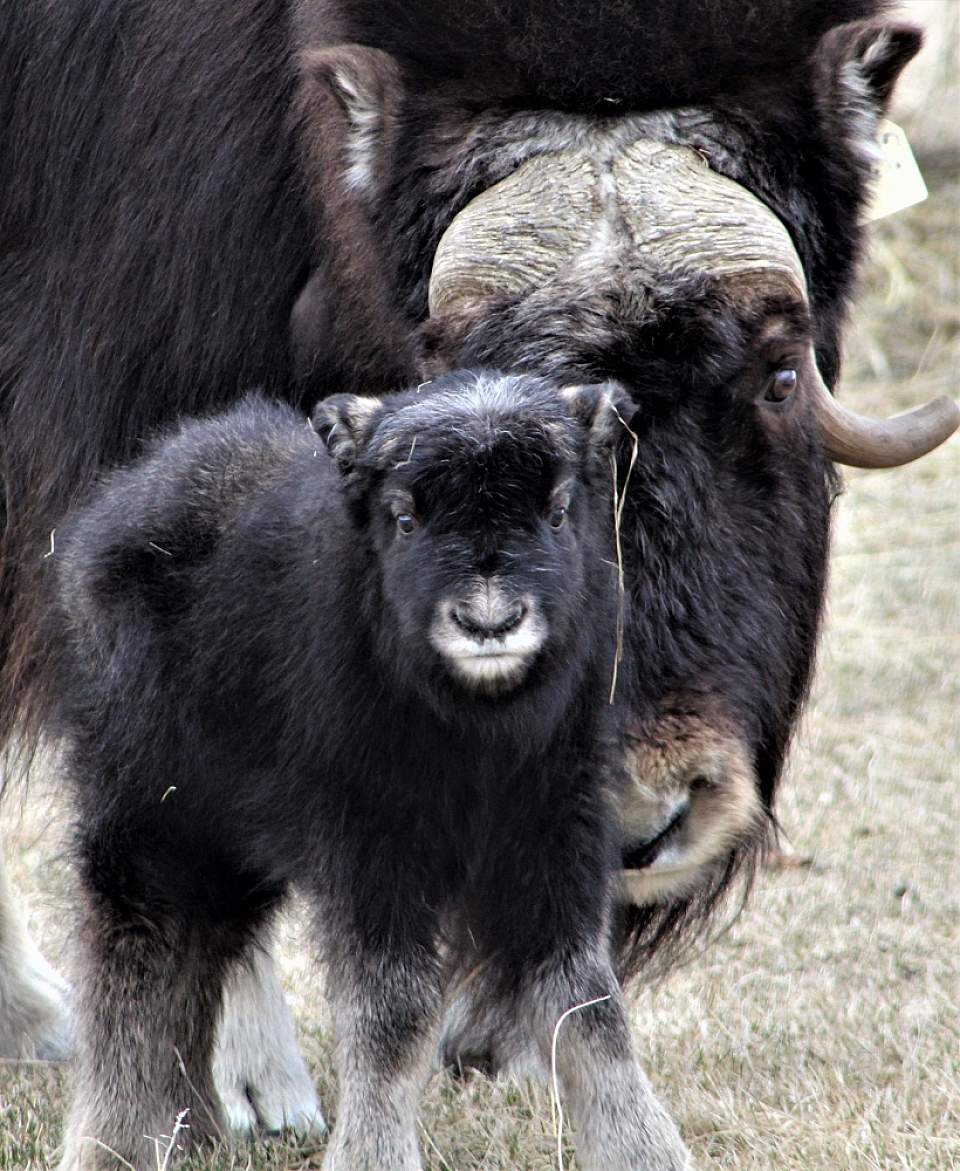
(486,621)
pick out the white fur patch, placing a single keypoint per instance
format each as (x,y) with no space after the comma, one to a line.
(488,663)
(860,111)
(260,1075)
(366,121)
(34,1000)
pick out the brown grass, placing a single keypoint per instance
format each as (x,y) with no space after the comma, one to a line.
(821,1031)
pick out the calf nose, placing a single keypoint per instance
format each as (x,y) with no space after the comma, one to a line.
(487,617)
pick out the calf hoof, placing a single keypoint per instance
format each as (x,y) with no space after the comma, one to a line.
(259,1072)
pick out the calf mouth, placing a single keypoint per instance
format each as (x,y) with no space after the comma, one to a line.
(486,642)
(489,668)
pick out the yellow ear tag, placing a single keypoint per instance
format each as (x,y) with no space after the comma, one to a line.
(897,182)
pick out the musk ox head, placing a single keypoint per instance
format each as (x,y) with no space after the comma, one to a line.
(703,258)
(487,500)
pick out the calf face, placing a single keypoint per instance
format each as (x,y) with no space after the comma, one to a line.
(482,510)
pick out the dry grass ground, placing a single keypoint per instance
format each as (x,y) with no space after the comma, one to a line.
(821,1031)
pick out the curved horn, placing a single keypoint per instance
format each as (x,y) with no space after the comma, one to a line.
(517,233)
(646,199)
(859,442)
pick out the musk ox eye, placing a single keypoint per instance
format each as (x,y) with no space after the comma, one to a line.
(557,516)
(781,385)
(406,523)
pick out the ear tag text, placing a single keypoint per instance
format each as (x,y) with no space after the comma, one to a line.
(897,182)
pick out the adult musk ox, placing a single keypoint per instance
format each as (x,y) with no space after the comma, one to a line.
(184,182)
(701,256)
(370,676)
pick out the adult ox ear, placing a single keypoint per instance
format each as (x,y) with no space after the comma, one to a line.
(345,423)
(345,326)
(347,107)
(856,67)
(604,409)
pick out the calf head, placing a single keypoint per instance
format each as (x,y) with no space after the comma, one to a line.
(487,501)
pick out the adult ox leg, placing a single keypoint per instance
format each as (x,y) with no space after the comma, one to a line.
(261,1078)
(34,1007)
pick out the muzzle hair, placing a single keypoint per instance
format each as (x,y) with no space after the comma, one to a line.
(487,636)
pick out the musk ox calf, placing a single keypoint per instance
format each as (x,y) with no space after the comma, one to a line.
(370,658)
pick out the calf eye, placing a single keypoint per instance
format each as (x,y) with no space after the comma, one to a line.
(557,516)
(406,523)
(781,385)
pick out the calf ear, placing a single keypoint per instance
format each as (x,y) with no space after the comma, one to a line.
(345,423)
(856,67)
(605,409)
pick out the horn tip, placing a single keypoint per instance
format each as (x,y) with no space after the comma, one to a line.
(943,414)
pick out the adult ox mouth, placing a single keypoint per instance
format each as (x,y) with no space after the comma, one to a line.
(644,854)
(691,798)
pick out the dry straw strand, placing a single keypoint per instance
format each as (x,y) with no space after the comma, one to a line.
(618,503)
(178,1126)
(109,1150)
(556,1109)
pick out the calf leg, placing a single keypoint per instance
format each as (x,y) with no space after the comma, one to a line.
(148,999)
(386,1024)
(384,986)
(617,1122)
(553,956)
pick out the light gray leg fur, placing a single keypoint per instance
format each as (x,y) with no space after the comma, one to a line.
(615,1119)
(260,1075)
(147,1004)
(34,999)
(386,1024)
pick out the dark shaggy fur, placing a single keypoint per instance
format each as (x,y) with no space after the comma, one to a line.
(154,232)
(642,54)
(273,612)
(152,237)
(175,194)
